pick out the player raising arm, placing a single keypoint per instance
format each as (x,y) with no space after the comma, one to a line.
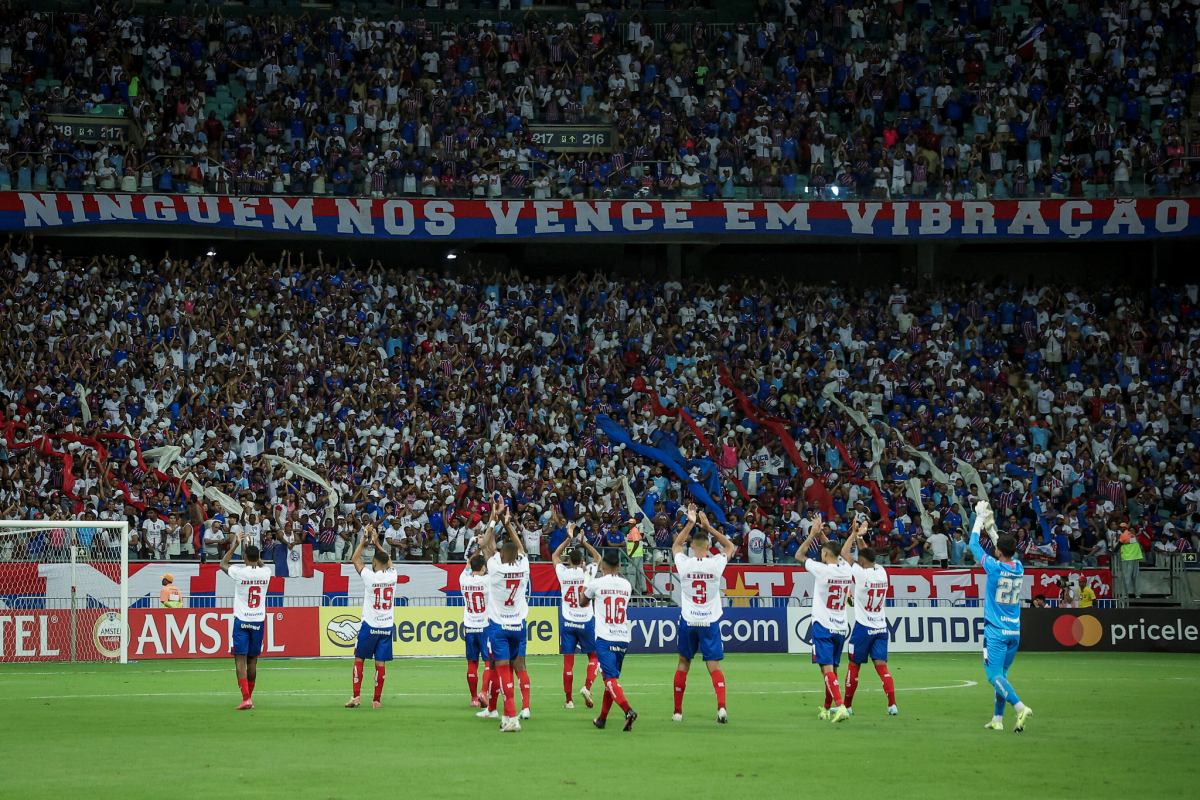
(1001,615)
(832,584)
(507,609)
(610,593)
(473,585)
(250,580)
(576,623)
(869,637)
(700,606)
(378,613)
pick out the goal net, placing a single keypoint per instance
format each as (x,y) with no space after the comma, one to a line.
(64,590)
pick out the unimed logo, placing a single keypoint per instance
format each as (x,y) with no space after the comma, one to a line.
(1084,631)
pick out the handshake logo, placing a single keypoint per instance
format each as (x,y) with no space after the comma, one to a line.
(342,630)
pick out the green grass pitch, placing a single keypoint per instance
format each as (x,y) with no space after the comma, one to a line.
(1105,725)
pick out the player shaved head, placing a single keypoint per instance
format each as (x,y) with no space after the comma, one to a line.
(866,556)
(508,552)
(1006,545)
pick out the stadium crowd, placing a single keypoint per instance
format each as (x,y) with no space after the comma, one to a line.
(417,394)
(819,98)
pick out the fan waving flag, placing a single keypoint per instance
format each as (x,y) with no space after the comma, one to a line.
(294,562)
(1025,45)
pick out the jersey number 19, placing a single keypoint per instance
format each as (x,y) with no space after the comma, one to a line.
(383,598)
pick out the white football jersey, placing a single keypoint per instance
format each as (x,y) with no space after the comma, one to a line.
(832,585)
(700,587)
(253,532)
(249,592)
(379,589)
(474,591)
(507,586)
(870,596)
(610,596)
(571,583)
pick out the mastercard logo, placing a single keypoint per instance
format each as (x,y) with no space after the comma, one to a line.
(1083,631)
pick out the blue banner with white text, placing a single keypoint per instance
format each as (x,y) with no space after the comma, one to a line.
(438,219)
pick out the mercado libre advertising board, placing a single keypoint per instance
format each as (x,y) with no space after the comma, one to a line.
(429,631)
(573,138)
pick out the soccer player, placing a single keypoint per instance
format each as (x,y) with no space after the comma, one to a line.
(378,614)
(700,606)
(610,593)
(1001,615)
(507,610)
(832,585)
(576,623)
(869,637)
(250,580)
(519,670)
(473,584)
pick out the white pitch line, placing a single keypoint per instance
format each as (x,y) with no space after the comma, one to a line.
(304,693)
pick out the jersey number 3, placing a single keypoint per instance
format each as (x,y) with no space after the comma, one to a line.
(699,592)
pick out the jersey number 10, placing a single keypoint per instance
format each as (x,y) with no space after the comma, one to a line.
(475,602)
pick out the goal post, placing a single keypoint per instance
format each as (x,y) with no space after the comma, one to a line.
(64,590)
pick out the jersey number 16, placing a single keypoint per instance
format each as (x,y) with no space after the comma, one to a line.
(614,610)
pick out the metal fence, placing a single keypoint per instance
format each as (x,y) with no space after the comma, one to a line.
(37,602)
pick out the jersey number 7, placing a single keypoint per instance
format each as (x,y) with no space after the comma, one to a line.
(513,585)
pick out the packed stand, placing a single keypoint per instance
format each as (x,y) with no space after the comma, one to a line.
(817,99)
(417,395)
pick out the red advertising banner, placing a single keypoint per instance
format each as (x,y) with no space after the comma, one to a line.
(204,633)
(45,635)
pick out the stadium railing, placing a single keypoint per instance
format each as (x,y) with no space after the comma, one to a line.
(37,602)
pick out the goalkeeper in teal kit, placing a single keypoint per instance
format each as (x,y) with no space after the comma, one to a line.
(1001,615)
